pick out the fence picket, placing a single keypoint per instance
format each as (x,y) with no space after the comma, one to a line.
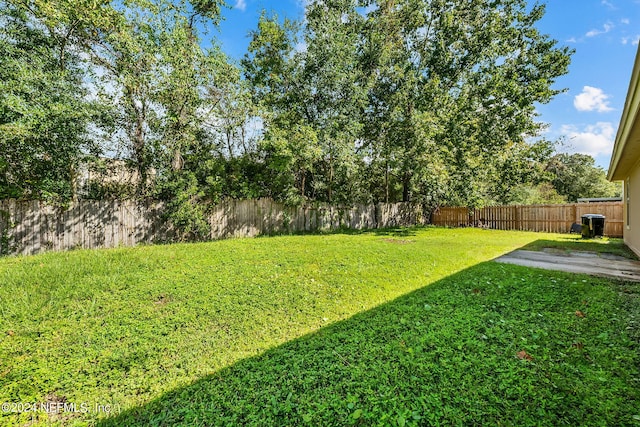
(549,218)
(31,226)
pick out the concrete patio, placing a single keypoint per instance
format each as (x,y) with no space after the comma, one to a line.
(595,264)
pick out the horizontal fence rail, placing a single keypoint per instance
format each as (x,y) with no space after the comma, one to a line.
(30,227)
(547,218)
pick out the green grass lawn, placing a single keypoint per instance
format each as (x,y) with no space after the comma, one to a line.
(400,328)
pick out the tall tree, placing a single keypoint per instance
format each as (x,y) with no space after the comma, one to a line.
(186,69)
(127,57)
(395,91)
(576,176)
(466,72)
(334,96)
(519,170)
(274,69)
(152,68)
(44,110)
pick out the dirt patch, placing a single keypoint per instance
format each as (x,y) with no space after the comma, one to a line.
(162,299)
(55,398)
(398,241)
(59,409)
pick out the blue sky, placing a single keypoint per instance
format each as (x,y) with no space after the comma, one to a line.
(604,34)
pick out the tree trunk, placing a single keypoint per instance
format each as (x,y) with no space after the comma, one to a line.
(330,176)
(406,194)
(177,162)
(386,182)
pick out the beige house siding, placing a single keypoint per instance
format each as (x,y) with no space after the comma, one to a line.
(625,159)
(632,222)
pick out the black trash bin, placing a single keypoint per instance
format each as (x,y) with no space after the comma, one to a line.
(592,225)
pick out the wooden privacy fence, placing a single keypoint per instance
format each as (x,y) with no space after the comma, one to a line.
(547,218)
(30,227)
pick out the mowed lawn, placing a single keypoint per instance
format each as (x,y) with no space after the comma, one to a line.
(413,327)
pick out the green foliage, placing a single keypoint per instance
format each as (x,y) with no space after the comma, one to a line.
(363,101)
(465,73)
(266,64)
(410,100)
(43,109)
(520,174)
(541,194)
(98,190)
(534,174)
(185,209)
(5,226)
(292,151)
(372,328)
(290,144)
(334,97)
(576,176)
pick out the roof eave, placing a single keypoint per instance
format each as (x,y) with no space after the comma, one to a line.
(627,121)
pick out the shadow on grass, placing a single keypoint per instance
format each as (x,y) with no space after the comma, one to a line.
(577,243)
(388,231)
(399,231)
(449,353)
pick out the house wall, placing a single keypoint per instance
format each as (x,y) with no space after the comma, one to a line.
(632,224)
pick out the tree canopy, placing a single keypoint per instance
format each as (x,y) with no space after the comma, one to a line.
(431,101)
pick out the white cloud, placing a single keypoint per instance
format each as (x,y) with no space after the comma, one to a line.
(241,4)
(592,99)
(631,39)
(594,140)
(605,29)
(625,21)
(608,4)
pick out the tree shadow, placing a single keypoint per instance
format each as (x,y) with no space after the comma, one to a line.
(444,354)
(398,231)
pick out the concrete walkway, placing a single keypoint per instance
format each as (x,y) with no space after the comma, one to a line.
(603,265)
